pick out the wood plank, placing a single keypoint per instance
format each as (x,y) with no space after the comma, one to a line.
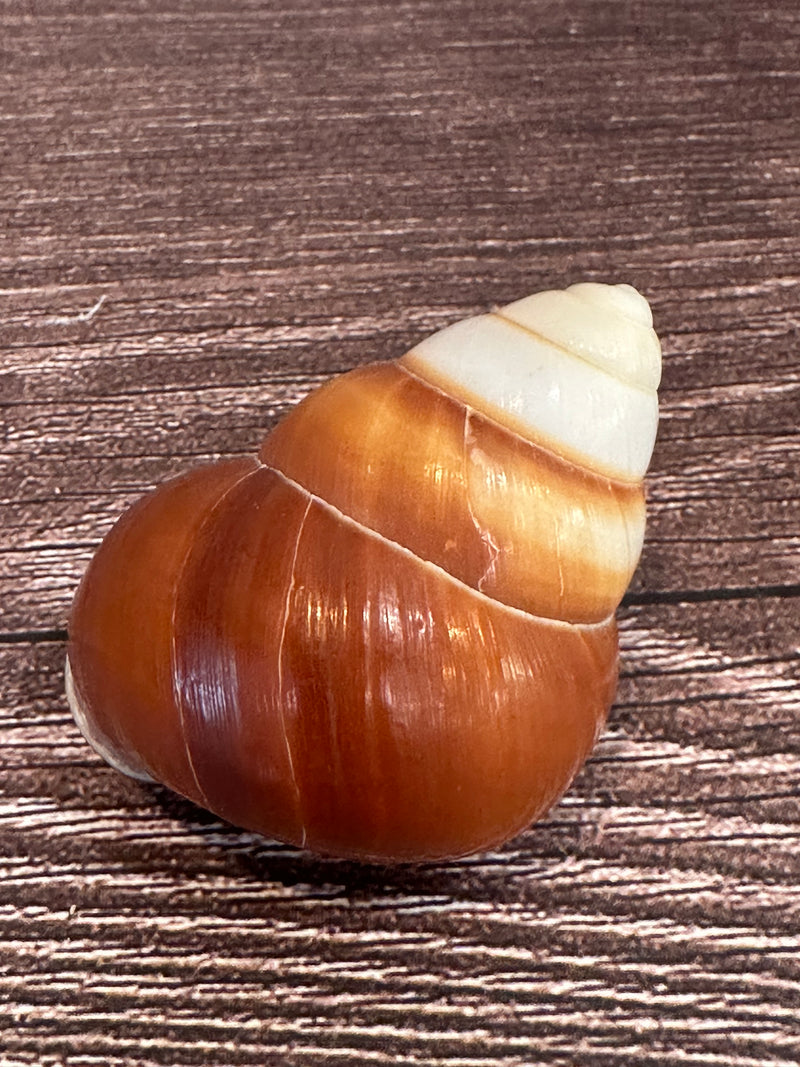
(207,209)
(663,887)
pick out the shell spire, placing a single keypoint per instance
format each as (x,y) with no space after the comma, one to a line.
(391,636)
(574,370)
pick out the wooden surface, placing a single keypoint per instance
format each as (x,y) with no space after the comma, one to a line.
(208,208)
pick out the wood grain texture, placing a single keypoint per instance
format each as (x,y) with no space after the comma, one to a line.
(207,209)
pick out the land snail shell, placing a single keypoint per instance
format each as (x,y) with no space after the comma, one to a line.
(391,636)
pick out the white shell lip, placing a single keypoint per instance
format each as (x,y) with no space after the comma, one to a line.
(100,744)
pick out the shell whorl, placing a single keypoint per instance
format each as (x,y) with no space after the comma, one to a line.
(391,636)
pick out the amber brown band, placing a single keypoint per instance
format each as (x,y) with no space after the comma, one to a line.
(504,515)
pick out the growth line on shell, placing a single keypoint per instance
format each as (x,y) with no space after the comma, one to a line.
(176,693)
(341,516)
(484,534)
(284,731)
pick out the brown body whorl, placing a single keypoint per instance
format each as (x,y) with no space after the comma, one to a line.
(390,637)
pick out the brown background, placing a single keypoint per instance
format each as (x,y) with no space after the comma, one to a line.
(263,194)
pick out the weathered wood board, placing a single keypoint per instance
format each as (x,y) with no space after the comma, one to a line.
(207,209)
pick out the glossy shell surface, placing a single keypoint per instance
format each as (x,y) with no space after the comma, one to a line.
(390,635)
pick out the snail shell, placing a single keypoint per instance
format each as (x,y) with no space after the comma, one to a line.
(391,636)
